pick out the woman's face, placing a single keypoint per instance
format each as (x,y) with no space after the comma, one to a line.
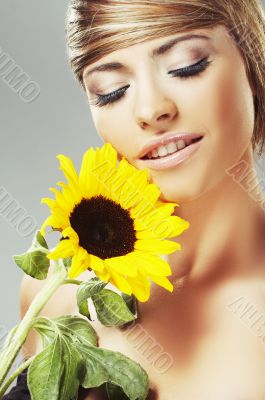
(150,102)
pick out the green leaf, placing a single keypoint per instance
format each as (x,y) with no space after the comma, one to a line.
(104,365)
(111,309)
(39,241)
(74,371)
(56,372)
(84,310)
(73,328)
(114,392)
(70,358)
(47,334)
(35,262)
(131,303)
(44,371)
(78,329)
(87,290)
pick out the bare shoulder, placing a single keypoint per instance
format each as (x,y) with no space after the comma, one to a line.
(30,287)
(62,301)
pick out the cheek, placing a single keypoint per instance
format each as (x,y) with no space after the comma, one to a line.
(112,126)
(222,107)
(230,111)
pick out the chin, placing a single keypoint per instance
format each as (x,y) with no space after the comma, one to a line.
(175,197)
(186,186)
(180,194)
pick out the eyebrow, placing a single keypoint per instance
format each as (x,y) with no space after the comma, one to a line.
(163,49)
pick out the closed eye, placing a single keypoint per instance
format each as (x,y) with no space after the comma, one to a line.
(191,70)
(104,99)
(182,73)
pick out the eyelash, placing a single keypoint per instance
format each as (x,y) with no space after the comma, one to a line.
(182,73)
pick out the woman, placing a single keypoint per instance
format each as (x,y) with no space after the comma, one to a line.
(151,71)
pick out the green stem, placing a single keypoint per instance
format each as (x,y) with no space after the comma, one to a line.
(8,355)
(9,337)
(15,374)
(73,281)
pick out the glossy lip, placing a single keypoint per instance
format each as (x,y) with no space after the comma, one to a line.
(172,159)
(153,144)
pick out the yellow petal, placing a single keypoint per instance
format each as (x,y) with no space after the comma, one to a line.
(141,293)
(87,180)
(70,192)
(116,188)
(71,233)
(50,221)
(159,231)
(162,211)
(120,282)
(105,275)
(64,249)
(139,223)
(113,180)
(162,281)
(61,220)
(140,286)
(134,183)
(129,197)
(113,185)
(152,264)
(151,193)
(177,226)
(109,153)
(97,264)
(80,263)
(148,200)
(67,166)
(50,202)
(145,235)
(103,175)
(157,214)
(166,227)
(157,246)
(139,177)
(62,202)
(132,192)
(122,265)
(124,168)
(144,206)
(46,223)
(171,227)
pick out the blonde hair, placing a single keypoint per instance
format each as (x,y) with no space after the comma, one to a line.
(95,28)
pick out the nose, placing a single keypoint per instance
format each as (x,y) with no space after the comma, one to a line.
(155,109)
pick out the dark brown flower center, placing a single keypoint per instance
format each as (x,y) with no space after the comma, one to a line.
(104,228)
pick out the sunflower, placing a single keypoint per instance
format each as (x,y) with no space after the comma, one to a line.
(112,222)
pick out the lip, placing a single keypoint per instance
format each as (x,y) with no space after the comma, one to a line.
(151,145)
(172,159)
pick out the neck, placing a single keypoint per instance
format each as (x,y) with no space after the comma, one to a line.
(224,244)
(227,225)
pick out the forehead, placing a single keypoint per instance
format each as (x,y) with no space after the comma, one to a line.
(156,48)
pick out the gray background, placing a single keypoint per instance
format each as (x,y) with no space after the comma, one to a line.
(32,134)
